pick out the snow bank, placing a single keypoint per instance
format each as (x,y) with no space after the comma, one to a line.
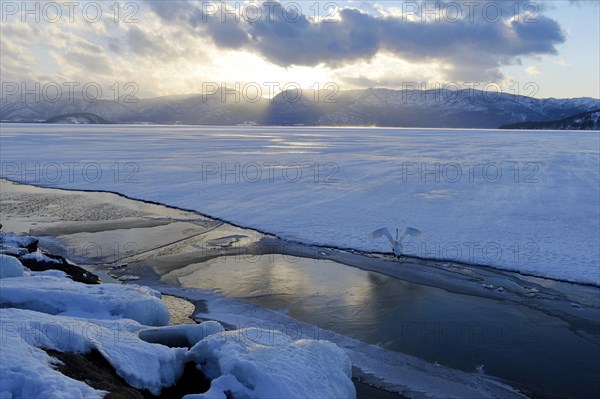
(259,363)
(24,369)
(11,240)
(62,296)
(49,310)
(38,256)
(10,267)
(27,373)
(14,251)
(52,273)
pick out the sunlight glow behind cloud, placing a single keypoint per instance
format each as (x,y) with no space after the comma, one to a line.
(173,47)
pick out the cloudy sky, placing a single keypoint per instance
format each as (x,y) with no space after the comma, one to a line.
(545,49)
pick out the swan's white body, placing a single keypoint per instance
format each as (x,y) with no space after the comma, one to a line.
(396,243)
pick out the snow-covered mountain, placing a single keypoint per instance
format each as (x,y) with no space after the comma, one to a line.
(40,111)
(370,107)
(458,109)
(583,121)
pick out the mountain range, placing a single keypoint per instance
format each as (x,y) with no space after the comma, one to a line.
(368,107)
(584,121)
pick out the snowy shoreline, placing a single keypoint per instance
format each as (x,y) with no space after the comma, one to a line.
(449,275)
(312,249)
(160,249)
(25,214)
(128,326)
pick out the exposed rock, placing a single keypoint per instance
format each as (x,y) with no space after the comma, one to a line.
(25,248)
(54,262)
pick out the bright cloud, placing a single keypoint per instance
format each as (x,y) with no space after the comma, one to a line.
(174,47)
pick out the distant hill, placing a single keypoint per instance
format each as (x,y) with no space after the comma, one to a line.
(369,107)
(583,121)
(78,118)
(422,109)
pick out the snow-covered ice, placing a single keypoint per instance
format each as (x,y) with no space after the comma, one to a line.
(14,240)
(10,267)
(49,310)
(260,363)
(521,200)
(40,257)
(141,364)
(27,371)
(62,296)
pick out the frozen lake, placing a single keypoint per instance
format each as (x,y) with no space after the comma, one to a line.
(524,201)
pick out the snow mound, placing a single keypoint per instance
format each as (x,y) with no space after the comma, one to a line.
(62,296)
(38,256)
(259,363)
(11,240)
(10,267)
(52,273)
(25,370)
(48,310)
(184,335)
(14,251)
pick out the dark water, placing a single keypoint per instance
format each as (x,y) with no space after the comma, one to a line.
(526,347)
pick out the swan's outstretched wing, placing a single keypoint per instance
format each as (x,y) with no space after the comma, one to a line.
(412,232)
(383,232)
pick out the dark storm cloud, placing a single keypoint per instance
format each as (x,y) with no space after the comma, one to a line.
(538,37)
(226,34)
(478,38)
(356,36)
